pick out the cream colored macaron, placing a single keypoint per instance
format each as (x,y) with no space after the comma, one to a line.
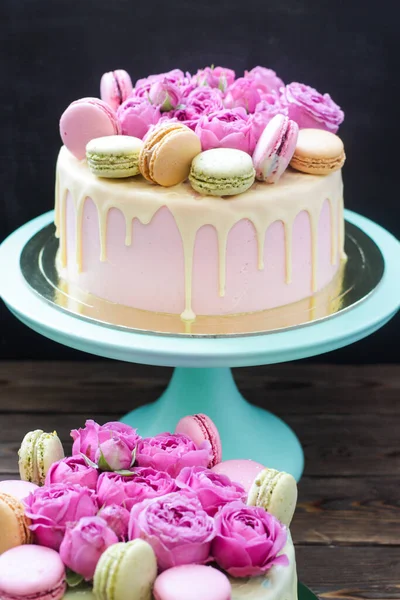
(318,152)
(276,491)
(114,156)
(38,451)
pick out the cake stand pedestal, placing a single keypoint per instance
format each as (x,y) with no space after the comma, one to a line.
(202,381)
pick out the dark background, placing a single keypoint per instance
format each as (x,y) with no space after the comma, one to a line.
(55,51)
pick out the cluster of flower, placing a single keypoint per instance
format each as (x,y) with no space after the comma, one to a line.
(225,111)
(118,486)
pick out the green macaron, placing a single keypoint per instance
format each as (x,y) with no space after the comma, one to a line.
(125,570)
(276,492)
(38,451)
(114,156)
(222,172)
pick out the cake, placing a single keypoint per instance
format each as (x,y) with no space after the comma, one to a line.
(170,249)
(159,505)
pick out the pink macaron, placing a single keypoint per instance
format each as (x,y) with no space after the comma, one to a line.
(84,120)
(32,572)
(115,87)
(17,488)
(275,148)
(192,582)
(200,428)
(240,471)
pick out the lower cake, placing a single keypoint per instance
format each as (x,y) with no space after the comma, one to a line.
(162,518)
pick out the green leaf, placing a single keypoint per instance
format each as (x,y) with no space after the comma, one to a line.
(125,472)
(73,579)
(103,464)
(133,457)
(87,460)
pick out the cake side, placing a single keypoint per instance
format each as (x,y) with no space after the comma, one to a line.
(127,240)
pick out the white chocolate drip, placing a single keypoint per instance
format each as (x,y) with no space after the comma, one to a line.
(262,205)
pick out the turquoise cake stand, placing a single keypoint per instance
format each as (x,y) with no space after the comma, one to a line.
(202,380)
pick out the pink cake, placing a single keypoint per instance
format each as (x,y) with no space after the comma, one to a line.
(172,250)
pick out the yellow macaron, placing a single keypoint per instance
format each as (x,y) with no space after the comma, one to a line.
(167,154)
(14,525)
(318,152)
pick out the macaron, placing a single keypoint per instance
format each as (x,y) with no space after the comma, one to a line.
(192,582)
(14,525)
(84,120)
(200,428)
(167,153)
(115,87)
(318,152)
(114,156)
(276,491)
(222,172)
(275,148)
(32,572)
(17,488)
(241,471)
(38,451)
(124,571)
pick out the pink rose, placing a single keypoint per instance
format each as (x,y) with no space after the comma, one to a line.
(264,80)
(164,94)
(117,518)
(212,489)
(72,470)
(51,508)
(171,453)
(178,529)
(215,77)
(248,540)
(242,93)
(116,452)
(270,105)
(204,100)
(226,129)
(136,116)
(88,439)
(309,108)
(126,491)
(84,543)
(175,76)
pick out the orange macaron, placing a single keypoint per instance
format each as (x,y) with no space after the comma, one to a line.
(318,152)
(167,154)
(14,525)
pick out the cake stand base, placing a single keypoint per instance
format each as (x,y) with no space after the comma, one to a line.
(257,434)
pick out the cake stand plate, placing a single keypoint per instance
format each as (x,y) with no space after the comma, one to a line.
(203,381)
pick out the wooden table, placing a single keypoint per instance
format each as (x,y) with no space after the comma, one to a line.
(347,524)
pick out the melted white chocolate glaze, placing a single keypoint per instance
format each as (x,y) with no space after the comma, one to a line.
(262,205)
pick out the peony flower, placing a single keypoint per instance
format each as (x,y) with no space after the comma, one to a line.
(126,491)
(242,93)
(137,115)
(176,76)
(264,80)
(171,453)
(114,454)
(84,543)
(226,129)
(212,489)
(248,540)
(178,529)
(309,108)
(72,470)
(117,518)
(51,508)
(164,94)
(215,77)
(88,439)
